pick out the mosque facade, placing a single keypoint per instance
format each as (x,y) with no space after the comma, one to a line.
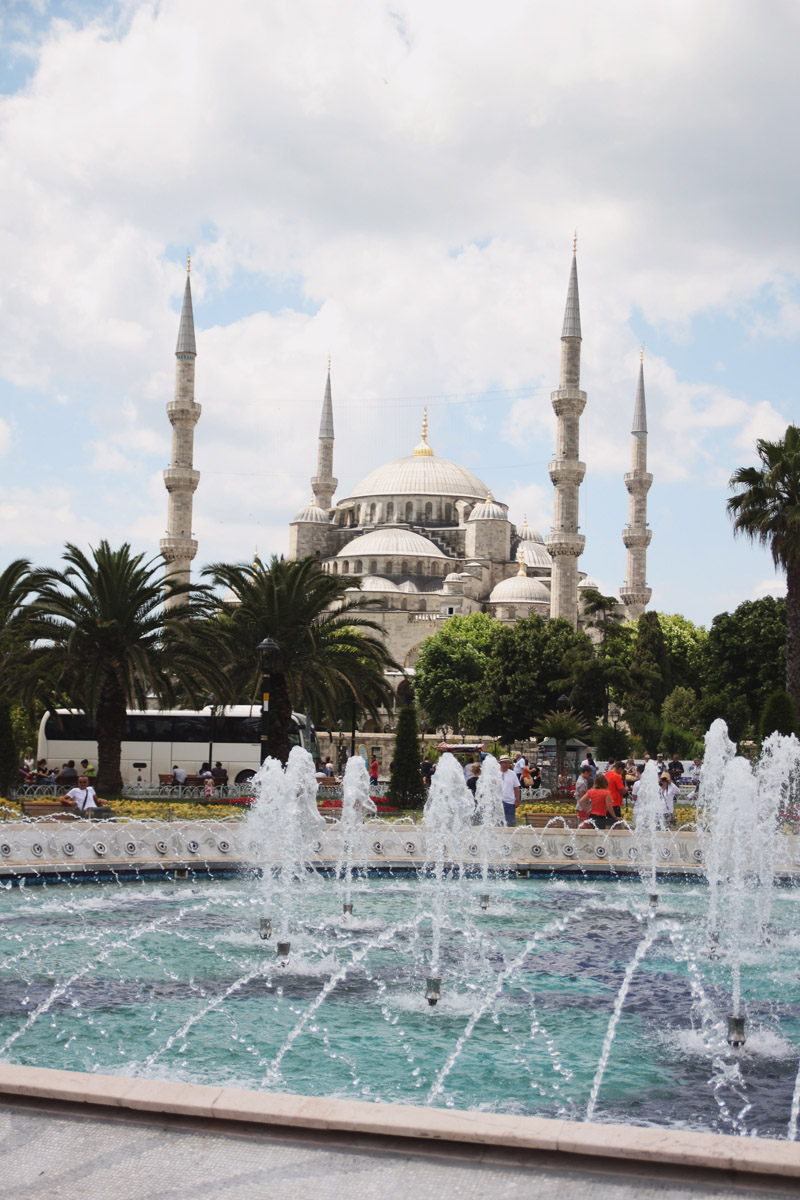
(423,536)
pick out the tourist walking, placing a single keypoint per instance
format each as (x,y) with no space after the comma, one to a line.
(427,768)
(374,770)
(668,793)
(582,804)
(511,790)
(599,799)
(616,787)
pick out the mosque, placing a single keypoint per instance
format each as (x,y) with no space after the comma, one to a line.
(425,536)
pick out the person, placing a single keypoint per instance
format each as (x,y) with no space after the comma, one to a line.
(374,770)
(220,775)
(536,776)
(68,774)
(42,772)
(616,788)
(695,770)
(520,764)
(525,777)
(84,799)
(630,772)
(328,768)
(661,766)
(675,769)
(582,786)
(599,799)
(178,775)
(635,789)
(510,790)
(208,779)
(87,769)
(28,764)
(591,764)
(472,782)
(564,782)
(427,769)
(668,793)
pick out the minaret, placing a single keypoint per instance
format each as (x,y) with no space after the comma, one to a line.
(180,478)
(566,470)
(323,484)
(636,536)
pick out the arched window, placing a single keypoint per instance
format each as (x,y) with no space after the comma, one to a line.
(336,568)
(448,512)
(404,568)
(372,514)
(418,566)
(390,511)
(388,566)
(345,568)
(359,567)
(358,515)
(429,511)
(373,567)
(409,511)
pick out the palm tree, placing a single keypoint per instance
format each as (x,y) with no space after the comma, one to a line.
(328,653)
(766,509)
(14,590)
(102,637)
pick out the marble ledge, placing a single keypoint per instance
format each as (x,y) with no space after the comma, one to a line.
(754,1156)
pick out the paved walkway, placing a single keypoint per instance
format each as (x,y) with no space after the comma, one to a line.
(49,1156)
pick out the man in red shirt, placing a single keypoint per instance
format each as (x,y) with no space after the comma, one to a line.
(374,770)
(616,787)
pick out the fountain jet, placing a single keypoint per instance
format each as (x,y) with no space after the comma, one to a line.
(736,1034)
(433,990)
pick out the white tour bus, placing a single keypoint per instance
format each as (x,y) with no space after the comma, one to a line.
(155,741)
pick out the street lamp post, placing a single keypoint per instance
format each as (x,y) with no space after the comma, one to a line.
(212,701)
(268,652)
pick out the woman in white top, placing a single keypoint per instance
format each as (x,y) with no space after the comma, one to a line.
(668,793)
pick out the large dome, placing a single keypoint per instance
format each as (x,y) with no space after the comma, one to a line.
(519,589)
(421,475)
(391,540)
(536,555)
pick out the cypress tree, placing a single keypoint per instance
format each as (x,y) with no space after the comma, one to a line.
(405,781)
(8,750)
(779,715)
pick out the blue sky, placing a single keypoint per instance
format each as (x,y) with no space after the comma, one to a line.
(397,186)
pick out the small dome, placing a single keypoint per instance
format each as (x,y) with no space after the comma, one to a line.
(407,586)
(489,510)
(390,540)
(377,583)
(453,577)
(535,554)
(526,534)
(589,583)
(520,589)
(313,513)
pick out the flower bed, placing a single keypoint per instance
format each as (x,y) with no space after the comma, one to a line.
(685,814)
(382,805)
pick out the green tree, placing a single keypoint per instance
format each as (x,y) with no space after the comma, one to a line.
(450,670)
(686,645)
(746,654)
(765,507)
(405,780)
(610,742)
(680,709)
(779,715)
(330,653)
(9,758)
(562,727)
(532,663)
(102,638)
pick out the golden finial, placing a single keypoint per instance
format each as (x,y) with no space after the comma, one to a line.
(423,449)
(525,519)
(489,497)
(575,242)
(521,560)
(188,263)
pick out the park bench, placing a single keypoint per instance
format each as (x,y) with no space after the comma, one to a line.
(47,808)
(539,820)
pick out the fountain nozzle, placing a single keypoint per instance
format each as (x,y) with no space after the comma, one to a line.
(283,951)
(265,928)
(348,908)
(433,990)
(484,900)
(654,900)
(736,1034)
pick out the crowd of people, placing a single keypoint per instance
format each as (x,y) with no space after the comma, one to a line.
(600,795)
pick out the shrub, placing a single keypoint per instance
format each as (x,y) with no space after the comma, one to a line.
(779,715)
(406,788)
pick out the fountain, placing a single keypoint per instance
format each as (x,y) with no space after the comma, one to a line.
(561,997)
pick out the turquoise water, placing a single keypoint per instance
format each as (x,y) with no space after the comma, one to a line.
(172,981)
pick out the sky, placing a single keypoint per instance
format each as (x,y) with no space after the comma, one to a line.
(396,185)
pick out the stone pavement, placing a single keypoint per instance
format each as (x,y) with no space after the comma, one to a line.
(49,1155)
